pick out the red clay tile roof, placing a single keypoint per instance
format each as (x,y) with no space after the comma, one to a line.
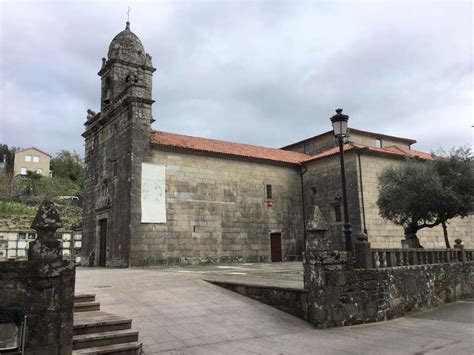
(264,153)
(226,148)
(395,150)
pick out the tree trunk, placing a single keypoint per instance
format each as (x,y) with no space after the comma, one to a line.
(411,237)
(445,232)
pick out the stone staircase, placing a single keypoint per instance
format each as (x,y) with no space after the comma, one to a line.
(97,332)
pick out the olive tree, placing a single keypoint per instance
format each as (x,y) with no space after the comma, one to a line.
(424,194)
(408,196)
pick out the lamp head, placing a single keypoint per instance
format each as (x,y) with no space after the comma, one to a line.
(339,124)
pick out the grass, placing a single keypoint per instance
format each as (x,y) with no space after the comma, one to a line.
(9,208)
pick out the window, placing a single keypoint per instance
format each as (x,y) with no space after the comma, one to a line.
(378,142)
(39,171)
(23,171)
(28,157)
(269,192)
(337,212)
(36,159)
(306,148)
(337,209)
(22,236)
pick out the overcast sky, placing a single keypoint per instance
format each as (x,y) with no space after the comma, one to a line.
(261,72)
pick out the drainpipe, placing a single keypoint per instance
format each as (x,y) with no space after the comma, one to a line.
(303,170)
(359,153)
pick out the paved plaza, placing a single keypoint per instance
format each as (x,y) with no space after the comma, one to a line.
(177,312)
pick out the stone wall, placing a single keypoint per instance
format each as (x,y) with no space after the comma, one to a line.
(114,153)
(322,188)
(107,185)
(217,211)
(383,233)
(341,295)
(290,300)
(44,290)
(326,141)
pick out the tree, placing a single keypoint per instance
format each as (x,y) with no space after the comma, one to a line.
(68,165)
(455,169)
(424,194)
(408,197)
(32,183)
(7,154)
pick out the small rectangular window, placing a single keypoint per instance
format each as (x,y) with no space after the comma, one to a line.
(39,171)
(23,171)
(338,212)
(378,142)
(28,157)
(22,235)
(306,148)
(36,159)
(269,192)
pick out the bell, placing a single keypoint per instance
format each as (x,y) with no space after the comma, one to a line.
(107,97)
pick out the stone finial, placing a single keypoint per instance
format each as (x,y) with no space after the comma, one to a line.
(127,25)
(317,222)
(458,241)
(47,218)
(47,221)
(90,114)
(363,255)
(362,237)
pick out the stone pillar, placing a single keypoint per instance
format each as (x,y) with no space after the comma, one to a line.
(319,238)
(460,246)
(326,275)
(363,256)
(46,246)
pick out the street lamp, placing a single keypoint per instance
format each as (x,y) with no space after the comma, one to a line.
(339,125)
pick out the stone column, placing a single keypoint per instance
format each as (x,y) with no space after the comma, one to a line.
(46,246)
(363,257)
(319,238)
(460,247)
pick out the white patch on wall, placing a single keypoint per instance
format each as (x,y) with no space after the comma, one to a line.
(153,196)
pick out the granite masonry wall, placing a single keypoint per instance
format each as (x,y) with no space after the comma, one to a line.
(44,290)
(340,295)
(290,300)
(217,211)
(322,188)
(335,294)
(383,233)
(117,141)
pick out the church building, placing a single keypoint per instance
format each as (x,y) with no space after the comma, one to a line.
(155,198)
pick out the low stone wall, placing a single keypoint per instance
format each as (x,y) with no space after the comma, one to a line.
(289,300)
(44,290)
(341,295)
(337,294)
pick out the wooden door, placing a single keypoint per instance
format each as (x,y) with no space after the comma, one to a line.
(103,242)
(275,247)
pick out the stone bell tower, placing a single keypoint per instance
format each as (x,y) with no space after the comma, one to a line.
(116,142)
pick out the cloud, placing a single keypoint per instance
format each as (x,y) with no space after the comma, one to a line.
(267,73)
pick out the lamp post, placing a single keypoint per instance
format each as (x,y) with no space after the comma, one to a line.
(339,125)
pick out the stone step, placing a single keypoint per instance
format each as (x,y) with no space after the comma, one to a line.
(86,306)
(103,338)
(84,298)
(98,321)
(131,348)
